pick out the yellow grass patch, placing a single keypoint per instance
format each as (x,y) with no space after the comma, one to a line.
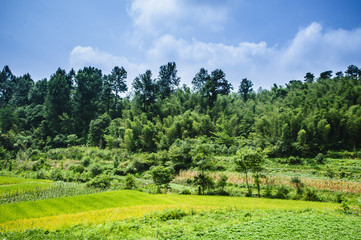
(89,217)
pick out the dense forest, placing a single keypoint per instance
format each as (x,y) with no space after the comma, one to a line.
(87,107)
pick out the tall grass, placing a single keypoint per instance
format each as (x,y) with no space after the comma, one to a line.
(56,190)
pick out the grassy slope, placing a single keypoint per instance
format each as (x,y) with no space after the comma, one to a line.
(118,205)
(11,184)
(214,224)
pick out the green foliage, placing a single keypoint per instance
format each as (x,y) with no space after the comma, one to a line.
(145,90)
(216,224)
(203,181)
(7,119)
(345,207)
(87,94)
(95,169)
(311,194)
(249,160)
(294,160)
(100,181)
(300,120)
(97,130)
(129,181)
(296,181)
(222,182)
(320,158)
(282,193)
(245,89)
(161,175)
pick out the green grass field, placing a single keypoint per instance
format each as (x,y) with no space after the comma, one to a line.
(97,208)
(128,214)
(13,184)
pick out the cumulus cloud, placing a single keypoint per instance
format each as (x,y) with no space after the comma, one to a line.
(88,56)
(311,50)
(173,15)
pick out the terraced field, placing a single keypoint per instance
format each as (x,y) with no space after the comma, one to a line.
(128,214)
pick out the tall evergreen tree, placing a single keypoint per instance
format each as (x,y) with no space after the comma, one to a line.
(168,79)
(86,99)
(145,90)
(57,102)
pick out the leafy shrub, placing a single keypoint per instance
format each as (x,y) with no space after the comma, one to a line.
(77,168)
(55,156)
(185,191)
(86,162)
(167,214)
(222,182)
(296,181)
(75,154)
(161,175)
(203,182)
(232,150)
(282,192)
(100,181)
(129,181)
(345,207)
(310,194)
(320,158)
(56,175)
(340,197)
(268,191)
(294,160)
(95,170)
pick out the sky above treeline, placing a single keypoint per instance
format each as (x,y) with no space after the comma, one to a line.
(266,41)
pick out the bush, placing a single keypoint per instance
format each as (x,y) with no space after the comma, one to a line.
(185,191)
(161,175)
(129,181)
(95,170)
(294,160)
(86,162)
(320,158)
(166,215)
(310,194)
(268,191)
(100,181)
(77,169)
(282,192)
(345,207)
(340,197)
(296,181)
(56,175)
(222,182)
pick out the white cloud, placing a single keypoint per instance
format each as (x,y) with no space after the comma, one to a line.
(311,50)
(87,56)
(173,15)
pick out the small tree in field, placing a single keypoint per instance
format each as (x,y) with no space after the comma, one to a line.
(203,181)
(250,160)
(202,160)
(222,182)
(162,176)
(296,181)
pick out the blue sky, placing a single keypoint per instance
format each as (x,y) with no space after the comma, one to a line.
(266,41)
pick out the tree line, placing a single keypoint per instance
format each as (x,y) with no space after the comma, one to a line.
(302,118)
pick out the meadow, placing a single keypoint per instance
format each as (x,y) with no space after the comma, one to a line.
(64,207)
(129,214)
